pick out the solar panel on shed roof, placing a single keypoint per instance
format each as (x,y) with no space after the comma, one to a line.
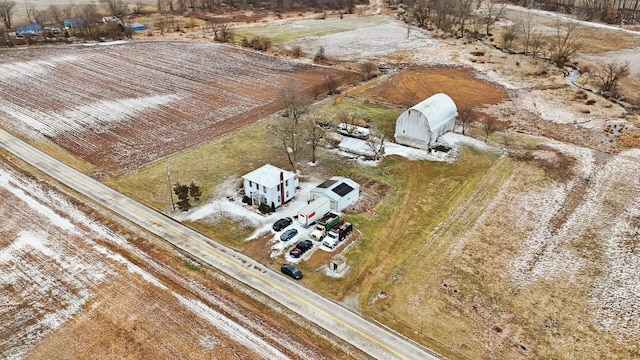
(327,184)
(342,189)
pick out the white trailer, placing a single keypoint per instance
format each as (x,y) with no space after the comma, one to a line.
(314,211)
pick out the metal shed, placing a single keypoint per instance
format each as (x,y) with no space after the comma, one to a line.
(421,125)
(340,191)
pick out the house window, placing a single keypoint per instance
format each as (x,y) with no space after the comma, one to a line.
(286,183)
(264,189)
(257,186)
(278,187)
(287,194)
(250,183)
(279,199)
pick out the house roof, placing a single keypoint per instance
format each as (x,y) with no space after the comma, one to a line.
(438,109)
(339,187)
(136,26)
(268,175)
(33,26)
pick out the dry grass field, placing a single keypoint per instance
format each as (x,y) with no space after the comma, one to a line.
(77,285)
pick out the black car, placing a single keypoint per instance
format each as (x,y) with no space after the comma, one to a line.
(301,248)
(292,271)
(282,223)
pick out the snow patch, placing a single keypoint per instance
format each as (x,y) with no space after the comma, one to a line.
(233,330)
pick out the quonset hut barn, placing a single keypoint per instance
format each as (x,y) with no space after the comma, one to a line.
(421,125)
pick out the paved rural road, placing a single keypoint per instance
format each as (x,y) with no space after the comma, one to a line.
(374,340)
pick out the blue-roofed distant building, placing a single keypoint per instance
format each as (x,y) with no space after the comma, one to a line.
(31,28)
(136,26)
(73,23)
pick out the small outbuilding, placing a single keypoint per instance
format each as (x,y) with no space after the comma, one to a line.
(340,191)
(337,264)
(136,26)
(270,185)
(421,125)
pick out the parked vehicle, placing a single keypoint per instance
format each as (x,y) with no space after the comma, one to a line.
(301,248)
(282,223)
(337,234)
(353,131)
(292,271)
(288,235)
(314,211)
(323,225)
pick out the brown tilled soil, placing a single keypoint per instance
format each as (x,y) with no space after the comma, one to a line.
(413,85)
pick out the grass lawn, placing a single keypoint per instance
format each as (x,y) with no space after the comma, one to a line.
(207,165)
(380,117)
(423,195)
(297,30)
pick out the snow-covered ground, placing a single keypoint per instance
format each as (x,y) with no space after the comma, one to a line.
(351,146)
(367,43)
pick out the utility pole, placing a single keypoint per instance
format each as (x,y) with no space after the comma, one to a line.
(173,206)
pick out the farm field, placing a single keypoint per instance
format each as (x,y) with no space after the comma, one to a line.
(365,42)
(123,105)
(524,247)
(410,86)
(75,287)
(535,263)
(288,30)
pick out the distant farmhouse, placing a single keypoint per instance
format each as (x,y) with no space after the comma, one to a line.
(421,125)
(340,191)
(32,28)
(270,185)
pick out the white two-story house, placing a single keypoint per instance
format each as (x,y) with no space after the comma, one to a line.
(270,185)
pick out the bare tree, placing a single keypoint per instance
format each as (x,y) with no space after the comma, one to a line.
(139,5)
(489,126)
(537,43)
(510,34)
(349,119)
(527,25)
(118,8)
(315,131)
(491,13)
(91,16)
(29,9)
(466,117)
(565,42)
(55,13)
(6,12)
(68,11)
(294,104)
(610,74)
(287,139)
(320,56)
(421,14)
(375,143)
(222,32)
(331,84)
(462,12)
(367,70)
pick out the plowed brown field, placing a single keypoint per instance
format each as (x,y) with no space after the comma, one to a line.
(126,104)
(415,84)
